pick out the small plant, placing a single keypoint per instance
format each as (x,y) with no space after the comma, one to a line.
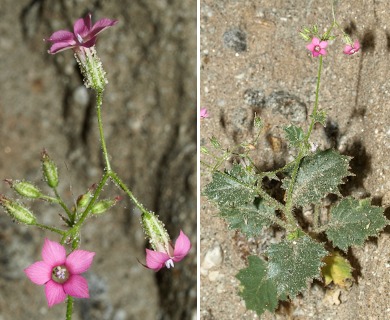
(311,250)
(59,272)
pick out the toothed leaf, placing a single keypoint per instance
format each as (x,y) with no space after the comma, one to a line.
(293,263)
(249,218)
(294,135)
(258,292)
(353,221)
(234,187)
(319,174)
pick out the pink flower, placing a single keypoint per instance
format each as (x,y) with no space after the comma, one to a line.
(83,35)
(317,47)
(204,113)
(167,255)
(60,273)
(351,49)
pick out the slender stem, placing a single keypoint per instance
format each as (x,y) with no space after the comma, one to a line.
(99,102)
(123,186)
(63,205)
(59,231)
(289,203)
(69,308)
(49,199)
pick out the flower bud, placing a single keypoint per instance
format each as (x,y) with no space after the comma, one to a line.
(83,200)
(50,171)
(155,230)
(25,189)
(17,211)
(104,205)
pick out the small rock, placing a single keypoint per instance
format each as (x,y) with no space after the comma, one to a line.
(235,39)
(288,105)
(332,297)
(212,258)
(215,276)
(254,97)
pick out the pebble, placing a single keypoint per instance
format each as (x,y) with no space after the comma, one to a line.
(235,39)
(212,258)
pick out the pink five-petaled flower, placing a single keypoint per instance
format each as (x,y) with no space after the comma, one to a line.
(83,35)
(204,113)
(317,47)
(156,260)
(351,49)
(60,273)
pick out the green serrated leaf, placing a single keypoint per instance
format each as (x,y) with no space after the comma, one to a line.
(249,218)
(294,135)
(293,263)
(320,117)
(353,221)
(234,187)
(258,292)
(319,174)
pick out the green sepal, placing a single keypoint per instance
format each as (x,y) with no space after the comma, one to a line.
(25,189)
(50,170)
(17,211)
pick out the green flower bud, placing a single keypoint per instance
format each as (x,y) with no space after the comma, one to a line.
(104,205)
(17,211)
(83,200)
(155,231)
(25,189)
(50,171)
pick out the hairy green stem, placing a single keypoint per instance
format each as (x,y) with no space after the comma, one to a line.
(69,308)
(99,102)
(42,226)
(63,205)
(289,204)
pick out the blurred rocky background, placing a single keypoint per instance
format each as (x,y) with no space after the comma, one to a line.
(149,114)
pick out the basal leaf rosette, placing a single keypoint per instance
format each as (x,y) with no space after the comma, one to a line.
(292,264)
(352,221)
(319,174)
(258,292)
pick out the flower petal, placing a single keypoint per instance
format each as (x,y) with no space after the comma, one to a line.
(79,261)
(60,46)
(54,293)
(356,45)
(182,246)
(315,41)
(155,260)
(61,36)
(83,26)
(310,47)
(76,286)
(53,253)
(323,44)
(101,25)
(39,272)
(347,49)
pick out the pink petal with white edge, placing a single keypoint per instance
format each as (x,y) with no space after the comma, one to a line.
(79,261)
(155,260)
(61,36)
(54,293)
(182,246)
(39,272)
(83,26)
(53,253)
(76,286)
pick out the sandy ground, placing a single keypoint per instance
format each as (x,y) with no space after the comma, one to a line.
(250,51)
(150,124)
